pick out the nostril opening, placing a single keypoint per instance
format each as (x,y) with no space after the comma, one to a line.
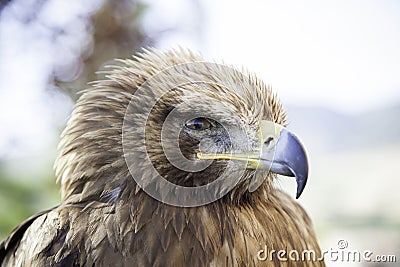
(269,140)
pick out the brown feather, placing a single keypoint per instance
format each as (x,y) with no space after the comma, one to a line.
(106,219)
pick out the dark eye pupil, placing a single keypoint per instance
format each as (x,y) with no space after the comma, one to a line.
(198,124)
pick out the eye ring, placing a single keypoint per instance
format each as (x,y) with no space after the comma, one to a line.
(198,124)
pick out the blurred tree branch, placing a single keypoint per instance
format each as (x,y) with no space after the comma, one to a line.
(117,33)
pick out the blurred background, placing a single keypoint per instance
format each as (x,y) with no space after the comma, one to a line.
(334,64)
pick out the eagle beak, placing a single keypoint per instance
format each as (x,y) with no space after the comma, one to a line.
(283,153)
(280,152)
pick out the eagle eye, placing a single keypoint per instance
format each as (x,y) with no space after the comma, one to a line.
(198,124)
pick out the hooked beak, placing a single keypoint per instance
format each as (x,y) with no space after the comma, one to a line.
(280,152)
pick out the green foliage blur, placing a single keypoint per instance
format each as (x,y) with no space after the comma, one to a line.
(21,198)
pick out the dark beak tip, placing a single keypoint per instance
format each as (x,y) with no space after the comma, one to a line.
(299,192)
(301,184)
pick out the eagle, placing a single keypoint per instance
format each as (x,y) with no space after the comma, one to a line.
(171,160)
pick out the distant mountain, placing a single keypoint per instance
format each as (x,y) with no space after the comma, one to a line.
(329,131)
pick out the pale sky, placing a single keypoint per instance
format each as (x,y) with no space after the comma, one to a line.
(341,54)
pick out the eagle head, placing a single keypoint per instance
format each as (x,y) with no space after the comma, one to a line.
(185,131)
